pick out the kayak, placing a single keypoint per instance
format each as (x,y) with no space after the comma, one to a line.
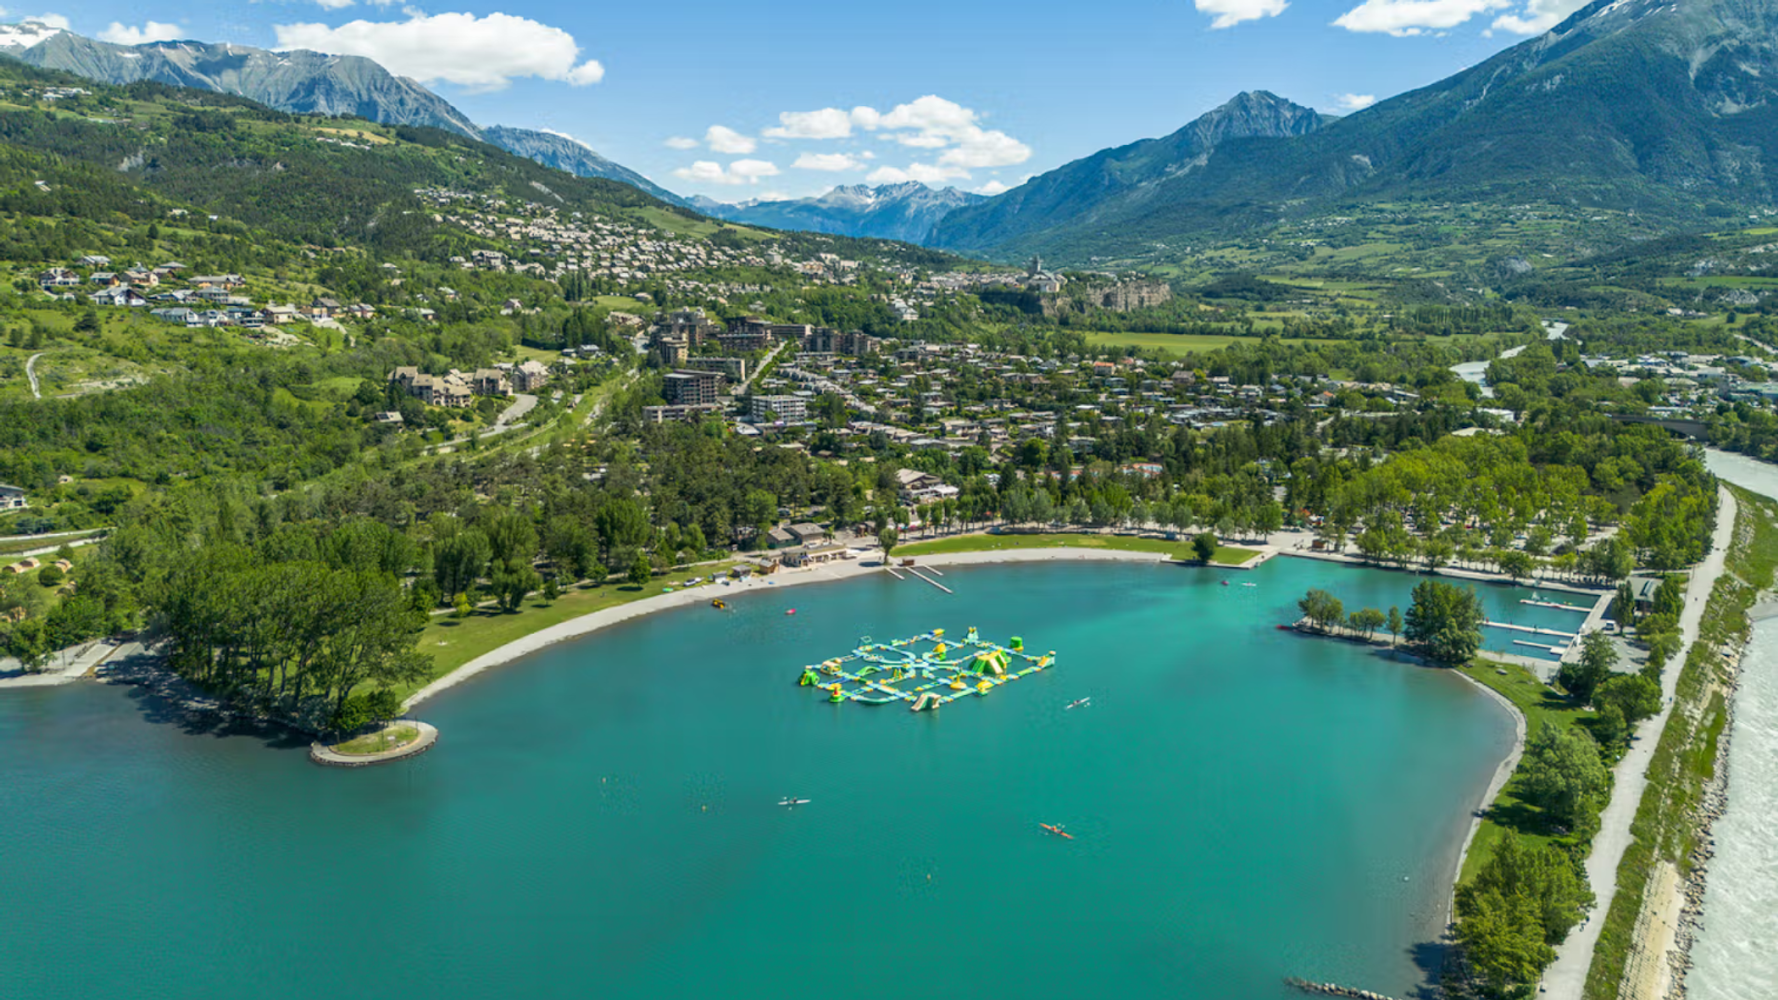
(1058,831)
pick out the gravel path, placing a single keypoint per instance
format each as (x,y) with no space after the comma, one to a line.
(1566,978)
(31,373)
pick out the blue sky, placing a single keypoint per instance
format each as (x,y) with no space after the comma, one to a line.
(738,101)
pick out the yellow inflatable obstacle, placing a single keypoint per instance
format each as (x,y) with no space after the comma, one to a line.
(991,662)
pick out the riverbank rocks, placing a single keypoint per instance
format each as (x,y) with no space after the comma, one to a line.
(1332,989)
(1714,802)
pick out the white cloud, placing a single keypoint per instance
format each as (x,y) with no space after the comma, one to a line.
(681,142)
(925,173)
(47,20)
(1541,16)
(151,31)
(986,149)
(929,114)
(828,161)
(753,170)
(926,123)
(931,122)
(993,188)
(1232,12)
(827,123)
(484,53)
(727,140)
(1355,102)
(1414,17)
(738,172)
(334,4)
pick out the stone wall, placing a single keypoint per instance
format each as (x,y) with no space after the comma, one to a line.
(1121,297)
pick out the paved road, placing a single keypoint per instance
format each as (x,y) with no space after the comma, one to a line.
(1568,975)
(65,665)
(55,547)
(31,373)
(741,390)
(522,404)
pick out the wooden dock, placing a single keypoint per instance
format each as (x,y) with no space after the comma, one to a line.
(1539,645)
(922,576)
(1583,609)
(1527,628)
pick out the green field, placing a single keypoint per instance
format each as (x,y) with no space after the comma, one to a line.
(1225,555)
(1540,704)
(381,741)
(452,642)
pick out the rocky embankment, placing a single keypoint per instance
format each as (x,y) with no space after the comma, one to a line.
(1710,808)
(1332,990)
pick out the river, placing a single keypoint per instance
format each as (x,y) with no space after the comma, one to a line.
(1733,955)
(1477,371)
(600,818)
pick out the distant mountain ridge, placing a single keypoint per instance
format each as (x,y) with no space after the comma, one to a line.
(569,155)
(301,82)
(906,211)
(1665,107)
(1081,190)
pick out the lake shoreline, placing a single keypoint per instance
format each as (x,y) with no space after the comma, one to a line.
(838,572)
(1502,774)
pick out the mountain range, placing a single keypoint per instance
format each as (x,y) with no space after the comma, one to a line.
(905,211)
(300,82)
(1668,108)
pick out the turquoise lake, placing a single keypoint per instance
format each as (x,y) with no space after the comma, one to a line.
(600,819)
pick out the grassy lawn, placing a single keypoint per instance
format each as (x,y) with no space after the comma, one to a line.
(382,740)
(1540,704)
(1226,555)
(1230,555)
(453,642)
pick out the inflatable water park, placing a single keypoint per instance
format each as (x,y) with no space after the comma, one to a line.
(925,671)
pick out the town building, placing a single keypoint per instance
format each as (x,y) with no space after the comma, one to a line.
(489,382)
(530,375)
(784,409)
(451,389)
(692,388)
(677,414)
(734,368)
(824,340)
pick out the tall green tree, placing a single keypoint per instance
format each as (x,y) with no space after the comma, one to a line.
(1204,546)
(1444,622)
(1521,904)
(1582,676)
(1563,775)
(1322,608)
